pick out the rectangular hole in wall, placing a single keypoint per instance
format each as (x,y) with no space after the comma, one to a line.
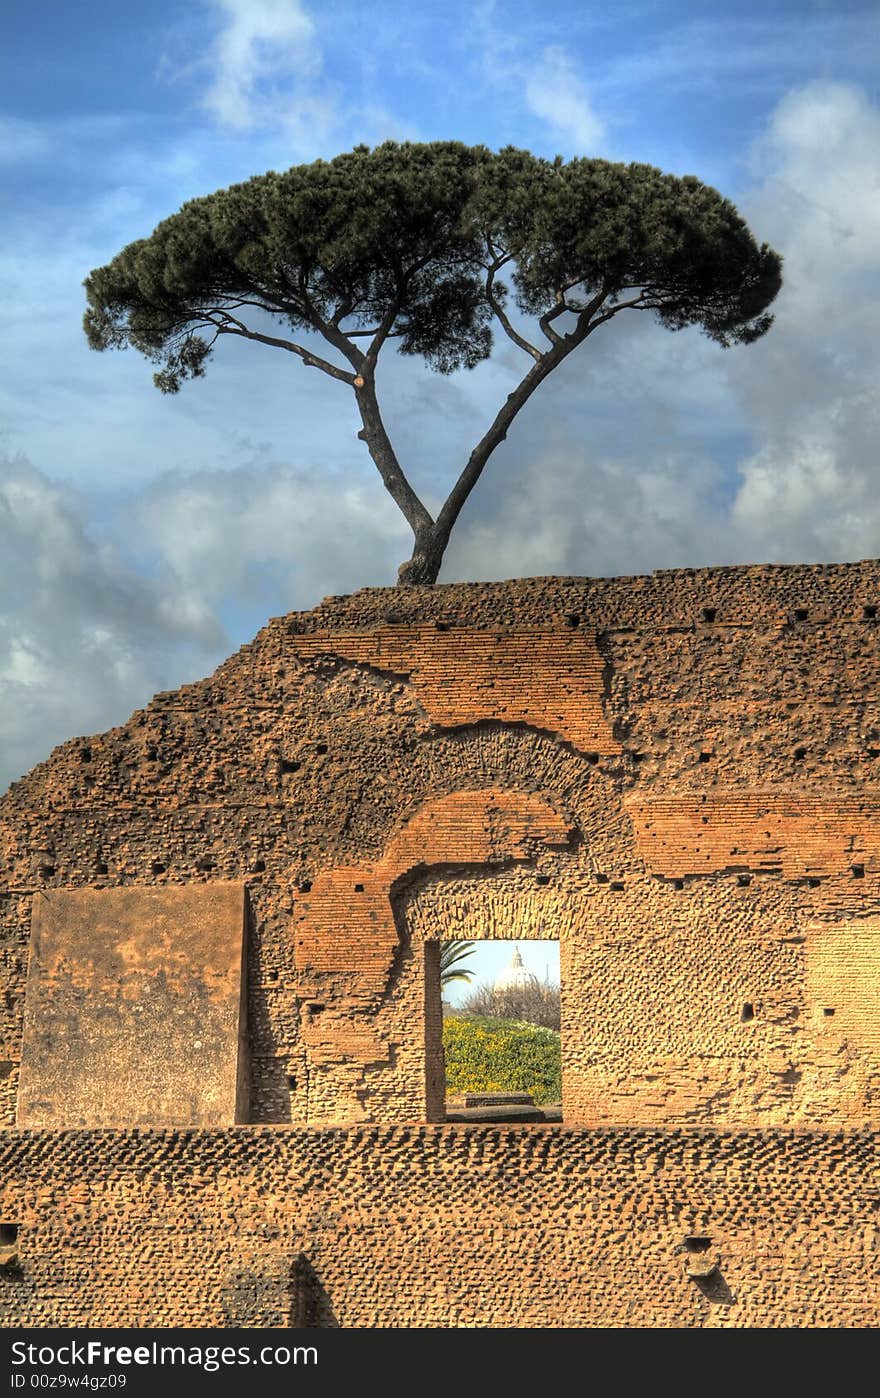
(8,1234)
(500,1026)
(697,1242)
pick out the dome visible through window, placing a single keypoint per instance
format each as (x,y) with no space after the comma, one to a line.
(514,975)
(501,1057)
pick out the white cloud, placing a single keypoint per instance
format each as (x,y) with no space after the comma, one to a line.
(819,193)
(556,95)
(269,533)
(810,490)
(572,509)
(262,61)
(83,639)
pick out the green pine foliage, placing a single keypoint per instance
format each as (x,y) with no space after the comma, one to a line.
(498,1055)
(433,249)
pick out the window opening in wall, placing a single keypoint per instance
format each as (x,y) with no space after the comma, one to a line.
(500,1005)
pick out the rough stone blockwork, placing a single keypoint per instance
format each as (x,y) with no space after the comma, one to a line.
(442,1226)
(677,776)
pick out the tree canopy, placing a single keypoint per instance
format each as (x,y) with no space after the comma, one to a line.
(406,243)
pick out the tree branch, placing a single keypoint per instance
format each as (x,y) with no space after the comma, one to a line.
(383,330)
(364,334)
(498,430)
(642,300)
(231,326)
(553,335)
(385,459)
(500,313)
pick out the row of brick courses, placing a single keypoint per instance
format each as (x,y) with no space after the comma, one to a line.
(441,1226)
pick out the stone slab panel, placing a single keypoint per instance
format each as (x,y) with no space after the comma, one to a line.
(134,1008)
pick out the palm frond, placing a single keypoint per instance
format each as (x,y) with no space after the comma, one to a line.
(450,954)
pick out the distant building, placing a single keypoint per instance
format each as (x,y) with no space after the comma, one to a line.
(514,975)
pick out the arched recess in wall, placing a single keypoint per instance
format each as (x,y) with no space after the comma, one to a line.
(584,786)
(536,900)
(549,897)
(490,804)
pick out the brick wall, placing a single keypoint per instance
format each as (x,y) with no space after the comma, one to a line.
(442,1226)
(676,775)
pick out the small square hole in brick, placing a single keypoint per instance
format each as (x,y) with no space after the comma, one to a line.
(828,1011)
(8,1234)
(869,613)
(709,613)
(858,871)
(748,1012)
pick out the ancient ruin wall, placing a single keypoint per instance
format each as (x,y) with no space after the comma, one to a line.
(701,747)
(441,1226)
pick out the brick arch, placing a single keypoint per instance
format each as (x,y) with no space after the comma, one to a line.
(346,935)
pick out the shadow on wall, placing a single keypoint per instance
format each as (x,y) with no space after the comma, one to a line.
(293,1299)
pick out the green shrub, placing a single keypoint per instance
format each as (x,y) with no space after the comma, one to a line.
(502,1055)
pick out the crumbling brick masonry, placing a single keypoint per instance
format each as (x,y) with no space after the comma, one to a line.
(221,1075)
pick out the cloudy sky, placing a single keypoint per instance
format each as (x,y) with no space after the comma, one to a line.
(143,538)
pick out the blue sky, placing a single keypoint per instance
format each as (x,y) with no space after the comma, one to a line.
(488,959)
(143,538)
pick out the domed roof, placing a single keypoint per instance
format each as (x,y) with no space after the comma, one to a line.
(513,975)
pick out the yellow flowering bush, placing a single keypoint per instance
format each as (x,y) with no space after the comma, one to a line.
(501,1055)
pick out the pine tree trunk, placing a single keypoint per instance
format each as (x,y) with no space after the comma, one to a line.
(422,567)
